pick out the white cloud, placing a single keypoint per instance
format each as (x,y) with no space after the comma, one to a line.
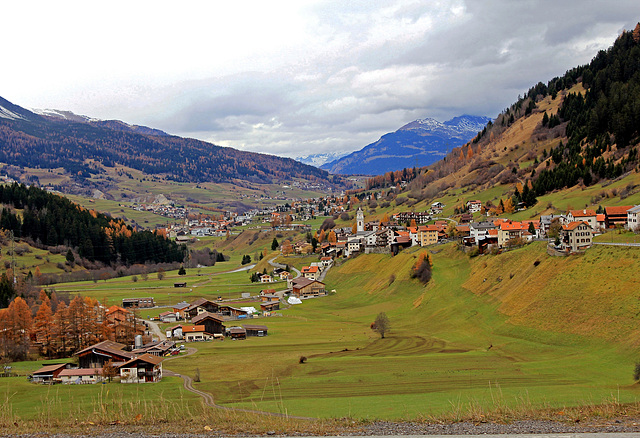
(294,78)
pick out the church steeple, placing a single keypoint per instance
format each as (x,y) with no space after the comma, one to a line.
(360,220)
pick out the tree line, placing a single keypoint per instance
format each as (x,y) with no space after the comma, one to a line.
(50,220)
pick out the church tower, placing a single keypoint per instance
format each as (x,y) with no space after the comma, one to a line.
(360,220)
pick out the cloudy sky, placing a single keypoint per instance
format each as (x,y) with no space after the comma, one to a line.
(294,77)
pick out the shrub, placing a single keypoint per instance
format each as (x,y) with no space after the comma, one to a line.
(422,269)
(302,359)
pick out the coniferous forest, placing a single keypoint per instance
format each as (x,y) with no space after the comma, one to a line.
(52,220)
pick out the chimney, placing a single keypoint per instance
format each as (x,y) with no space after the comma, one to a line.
(584,211)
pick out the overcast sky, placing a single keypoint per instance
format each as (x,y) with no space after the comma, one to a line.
(294,77)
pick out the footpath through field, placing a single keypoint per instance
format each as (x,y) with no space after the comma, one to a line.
(208,398)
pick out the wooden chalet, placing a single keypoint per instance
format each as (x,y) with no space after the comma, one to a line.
(213,323)
(141,369)
(48,373)
(304,287)
(95,356)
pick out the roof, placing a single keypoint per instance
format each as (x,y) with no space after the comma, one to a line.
(49,369)
(301,282)
(429,228)
(506,226)
(463,228)
(403,239)
(600,217)
(113,309)
(582,213)
(180,306)
(309,269)
(617,210)
(237,330)
(107,346)
(635,209)
(192,328)
(168,312)
(325,259)
(205,315)
(573,225)
(148,358)
(80,372)
(255,327)
(492,232)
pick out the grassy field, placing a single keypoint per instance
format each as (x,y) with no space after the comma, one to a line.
(453,343)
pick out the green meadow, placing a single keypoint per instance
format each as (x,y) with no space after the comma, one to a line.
(520,331)
(450,347)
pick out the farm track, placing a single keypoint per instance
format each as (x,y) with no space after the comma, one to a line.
(187,383)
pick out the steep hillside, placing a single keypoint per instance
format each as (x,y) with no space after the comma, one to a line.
(68,143)
(419,143)
(580,129)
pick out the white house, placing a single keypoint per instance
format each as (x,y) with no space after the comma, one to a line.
(633,218)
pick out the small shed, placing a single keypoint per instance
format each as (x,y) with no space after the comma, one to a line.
(255,330)
(237,333)
(269,306)
(180,284)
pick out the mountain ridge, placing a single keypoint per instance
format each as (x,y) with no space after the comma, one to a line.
(71,144)
(418,143)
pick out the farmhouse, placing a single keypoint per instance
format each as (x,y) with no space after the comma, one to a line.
(95,356)
(48,373)
(195,333)
(211,322)
(304,287)
(141,369)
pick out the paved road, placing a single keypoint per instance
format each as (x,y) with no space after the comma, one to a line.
(618,244)
(281,266)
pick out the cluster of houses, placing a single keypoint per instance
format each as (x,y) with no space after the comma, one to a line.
(106,360)
(576,230)
(205,319)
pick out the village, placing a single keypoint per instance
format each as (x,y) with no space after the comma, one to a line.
(135,348)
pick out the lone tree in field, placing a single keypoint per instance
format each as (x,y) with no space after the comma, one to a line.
(381,324)
(274,244)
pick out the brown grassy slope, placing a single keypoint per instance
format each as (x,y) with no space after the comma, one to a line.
(593,295)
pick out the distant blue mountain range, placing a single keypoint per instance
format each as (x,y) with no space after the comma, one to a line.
(419,143)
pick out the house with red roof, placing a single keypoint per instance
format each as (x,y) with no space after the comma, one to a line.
(616,216)
(586,215)
(310,272)
(576,236)
(511,230)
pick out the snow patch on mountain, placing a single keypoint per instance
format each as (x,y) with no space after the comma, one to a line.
(318,160)
(8,114)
